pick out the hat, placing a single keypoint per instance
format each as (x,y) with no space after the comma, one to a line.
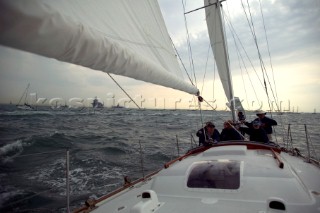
(210,124)
(260,112)
(256,123)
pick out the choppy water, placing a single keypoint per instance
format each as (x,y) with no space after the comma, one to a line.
(104,147)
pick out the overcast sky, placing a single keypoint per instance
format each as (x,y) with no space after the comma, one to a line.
(293,33)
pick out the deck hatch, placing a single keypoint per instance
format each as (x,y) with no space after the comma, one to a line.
(277,205)
(215,174)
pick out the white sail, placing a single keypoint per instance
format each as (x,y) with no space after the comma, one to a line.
(127,38)
(218,44)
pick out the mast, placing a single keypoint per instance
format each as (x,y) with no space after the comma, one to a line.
(25,95)
(219,46)
(231,94)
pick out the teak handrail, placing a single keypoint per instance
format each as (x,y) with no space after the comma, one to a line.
(276,156)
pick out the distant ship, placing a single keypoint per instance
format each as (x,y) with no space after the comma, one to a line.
(117,106)
(96,104)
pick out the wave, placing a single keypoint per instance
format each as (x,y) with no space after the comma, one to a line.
(158,157)
(9,151)
(104,147)
(8,193)
(34,144)
(26,113)
(113,150)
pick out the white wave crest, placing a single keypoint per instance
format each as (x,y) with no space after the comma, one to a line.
(9,151)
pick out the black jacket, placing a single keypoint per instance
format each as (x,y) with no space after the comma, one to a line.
(229,134)
(204,139)
(267,122)
(258,135)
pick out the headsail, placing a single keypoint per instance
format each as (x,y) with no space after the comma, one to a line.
(219,47)
(123,37)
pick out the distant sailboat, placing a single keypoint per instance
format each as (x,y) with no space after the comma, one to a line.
(23,102)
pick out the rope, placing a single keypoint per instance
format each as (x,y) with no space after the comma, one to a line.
(124,91)
(274,94)
(189,44)
(265,32)
(181,61)
(26,198)
(236,130)
(233,32)
(205,69)
(41,153)
(239,56)
(263,69)
(251,26)
(199,105)
(214,78)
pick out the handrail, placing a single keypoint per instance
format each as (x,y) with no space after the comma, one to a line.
(190,152)
(308,144)
(90,204)
(250,145)
(276,156)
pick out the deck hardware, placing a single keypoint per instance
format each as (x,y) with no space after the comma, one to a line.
(277,205)
(276,156)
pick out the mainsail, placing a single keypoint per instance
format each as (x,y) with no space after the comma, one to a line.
(122,37)
(219,47)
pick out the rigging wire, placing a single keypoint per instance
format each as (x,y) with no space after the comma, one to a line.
(252,28)
(124,91)
(242,46)
(213,86)
(265,32)
(205,69)
(189,44)
(181,62)
(25,93)
(191,57)
(28,197)
(214,75)
(233,33)
(244,86)
(200,99)
(263,68)
(41,153)
(239,54)
(214,78)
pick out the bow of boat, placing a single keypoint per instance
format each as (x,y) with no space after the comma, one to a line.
(227,177)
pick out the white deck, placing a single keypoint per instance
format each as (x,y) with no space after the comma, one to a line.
(297,186)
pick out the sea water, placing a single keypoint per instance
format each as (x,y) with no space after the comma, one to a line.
(105,146)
